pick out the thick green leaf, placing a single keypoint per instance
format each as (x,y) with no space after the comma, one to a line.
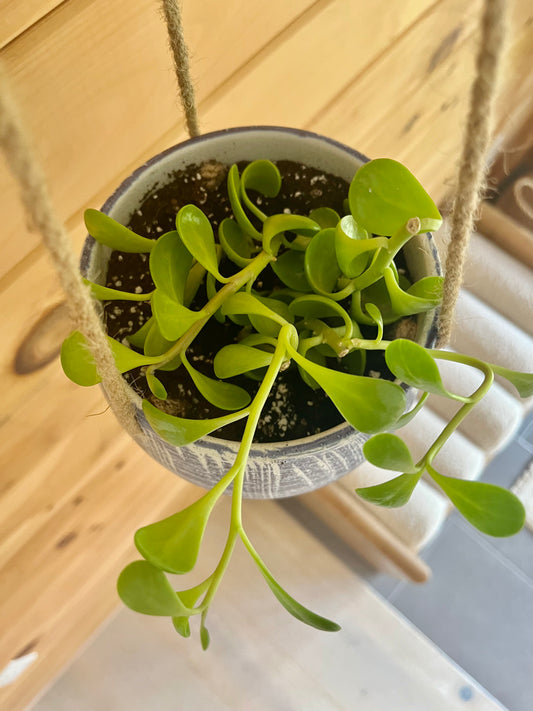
(265,325)
(173,318)
(276,225)
(180,431)
(412,364)
(523,382)
(182,626)
(138,339)
(79,366)
(384,195)
(226,396)
(173,543)
(315,306)
(491,509)
(156,386)
(108,231)
(393,493)
(290,269)
(235,243)
(197,234)
(353,247)
(301,613)
(236,359)
(389,452)
(234,194)
(244,303)
(205,639)
(405,303)
(321,266)
(144,588)
(368,404)
(170,262)
(325,217)
(104,293)
(263,176)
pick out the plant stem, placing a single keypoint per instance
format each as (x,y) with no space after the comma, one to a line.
(476,396)
(249,273)
(384,257)
(238,469)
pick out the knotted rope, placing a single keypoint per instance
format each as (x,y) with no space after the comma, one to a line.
(473,166)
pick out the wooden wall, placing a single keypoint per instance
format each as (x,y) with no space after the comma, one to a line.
(96,88)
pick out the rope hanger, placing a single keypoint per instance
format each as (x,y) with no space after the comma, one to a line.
(38,206)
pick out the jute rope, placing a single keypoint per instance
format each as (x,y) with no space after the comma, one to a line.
(473,166)
(172,13)
(23,164)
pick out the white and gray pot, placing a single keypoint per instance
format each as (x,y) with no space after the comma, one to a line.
(283,468)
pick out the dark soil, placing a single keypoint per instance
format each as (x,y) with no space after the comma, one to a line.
(293,409)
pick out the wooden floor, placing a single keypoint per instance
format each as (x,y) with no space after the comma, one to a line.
(261,658)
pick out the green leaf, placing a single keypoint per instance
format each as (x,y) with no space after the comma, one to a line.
(197,234)
(79,366)
(353,247)
(321,266)
(234,194)
(290,269)
(170,262)
(179,430)
(182,626)
(104,293)
(325,217)
(489,508)
(236,359)
(108,231)
(156,386)
(138,339)
(405,303)
(173,318)
(265,324)
(173,543)
(389,452)
(276,225)
(523,382)
(205,639)
(244,303)
(144,588)
(226,396)
(235,243)
(315,306)
(384,195)
(263,176)
(301,613)
(412,364)
(393,493)
(368,404)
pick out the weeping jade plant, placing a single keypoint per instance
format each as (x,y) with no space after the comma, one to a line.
(334,274)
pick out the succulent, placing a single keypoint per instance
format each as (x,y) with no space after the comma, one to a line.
(334,276)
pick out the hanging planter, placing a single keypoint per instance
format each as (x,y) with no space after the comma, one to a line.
(338,295)
(291,466)
(312,293)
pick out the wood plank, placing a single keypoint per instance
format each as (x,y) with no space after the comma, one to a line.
(60,585)
(91,67)
(18,16)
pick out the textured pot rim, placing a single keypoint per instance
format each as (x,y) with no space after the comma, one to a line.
(329,437)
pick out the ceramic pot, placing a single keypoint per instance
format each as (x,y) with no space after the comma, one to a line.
(283,468)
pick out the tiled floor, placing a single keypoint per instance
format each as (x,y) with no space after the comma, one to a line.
(478,606)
